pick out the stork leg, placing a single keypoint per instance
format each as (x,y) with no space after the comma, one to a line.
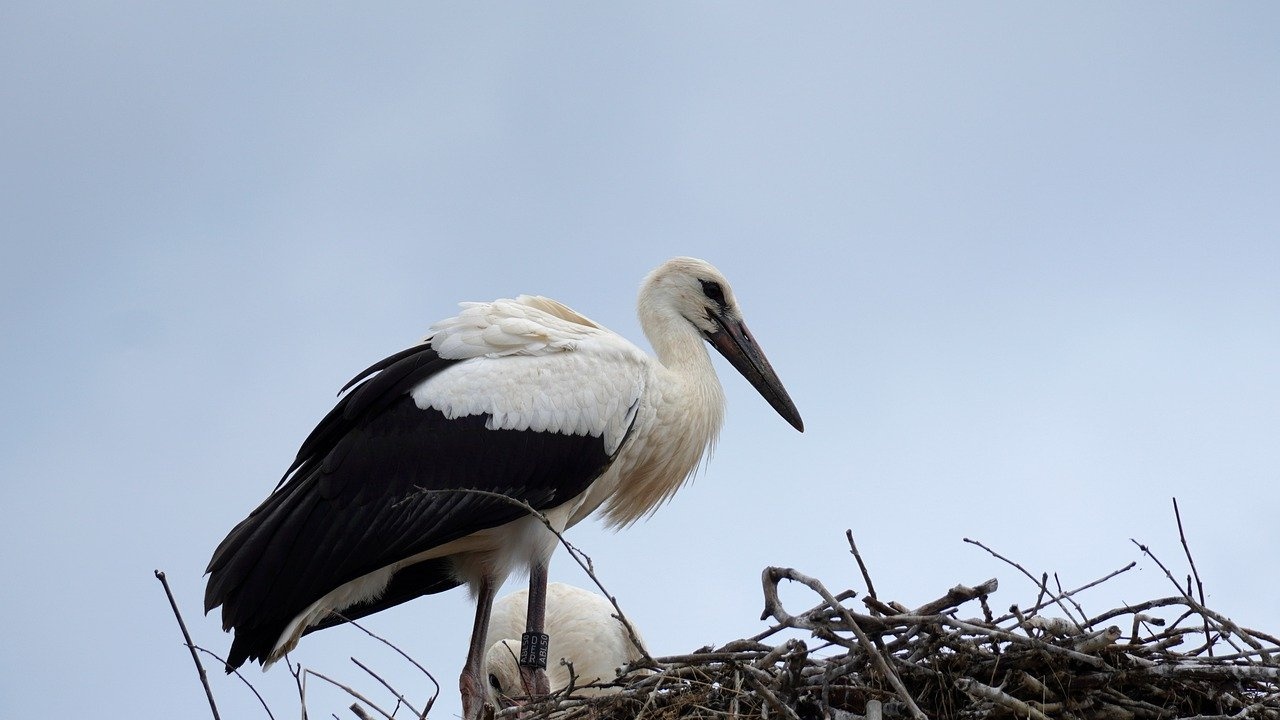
(533,673)
(473,680)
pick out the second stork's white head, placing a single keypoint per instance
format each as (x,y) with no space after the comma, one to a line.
(685,300)
(589,643)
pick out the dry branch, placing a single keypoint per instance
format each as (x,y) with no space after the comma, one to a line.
(186,636)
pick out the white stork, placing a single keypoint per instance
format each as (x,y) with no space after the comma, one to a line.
(522,398)
(588,634)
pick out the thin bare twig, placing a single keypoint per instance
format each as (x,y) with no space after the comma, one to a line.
(349,691)
(1226,624)
(1182,536)
(1084,619)
(430,701)
(400,698)
(299,680)
(1042,582)
(223,661)
(186,636)
(1076,591)
(866,576)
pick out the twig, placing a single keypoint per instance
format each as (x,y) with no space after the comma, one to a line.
(1084,619)
(1147,551)
(186,636)
(1182,537)
(1224,622)
(866,576)
(1076,591)
(1044,590)
(1043,582)
(349,691)
(398,695)
(432,700)
(300,680)
(1139,608)
(242,678)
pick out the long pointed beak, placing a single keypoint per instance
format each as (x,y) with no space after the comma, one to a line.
(735,343)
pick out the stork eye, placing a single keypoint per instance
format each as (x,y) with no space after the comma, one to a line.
(493,682)
(713,291)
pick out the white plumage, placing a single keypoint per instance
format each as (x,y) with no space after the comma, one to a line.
(397,492)
(560,372)
(584,632)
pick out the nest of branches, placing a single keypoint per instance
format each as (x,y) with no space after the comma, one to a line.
(956,658)
(850,658)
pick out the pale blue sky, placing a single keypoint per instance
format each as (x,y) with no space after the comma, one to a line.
(1017,265)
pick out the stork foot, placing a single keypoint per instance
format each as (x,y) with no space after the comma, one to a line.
(475,705)
(536,684)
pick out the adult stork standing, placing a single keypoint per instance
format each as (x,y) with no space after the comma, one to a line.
(521,398)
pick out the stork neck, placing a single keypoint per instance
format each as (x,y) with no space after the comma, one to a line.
(684,411)
(676,342)
(681,349)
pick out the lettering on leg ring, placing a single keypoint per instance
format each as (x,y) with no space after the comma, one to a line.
(534,648)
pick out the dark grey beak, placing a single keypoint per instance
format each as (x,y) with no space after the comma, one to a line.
(735,343)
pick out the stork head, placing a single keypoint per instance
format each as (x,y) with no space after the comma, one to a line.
(694,291)
(501,663)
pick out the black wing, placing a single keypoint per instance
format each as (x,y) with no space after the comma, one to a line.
(354,502)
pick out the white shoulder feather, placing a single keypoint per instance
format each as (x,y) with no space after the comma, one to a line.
(534,364)
(507,327)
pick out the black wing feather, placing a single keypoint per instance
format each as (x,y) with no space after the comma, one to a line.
(395,375)
(380,480)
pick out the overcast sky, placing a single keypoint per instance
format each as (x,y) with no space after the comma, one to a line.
(1016,263)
